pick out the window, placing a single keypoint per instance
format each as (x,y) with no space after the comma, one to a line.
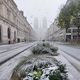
(0,9)
(14,18)
(69,31)
(9,33)
(8,13)
(68,37)
(6,0)
(14,36)
(0,34)
(75,37)
(75,30)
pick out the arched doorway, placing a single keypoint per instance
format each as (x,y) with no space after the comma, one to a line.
(0,34)
(14,36)
(9,35)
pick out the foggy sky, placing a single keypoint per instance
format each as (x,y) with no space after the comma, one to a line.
(40,9)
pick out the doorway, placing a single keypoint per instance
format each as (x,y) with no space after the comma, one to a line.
(9,35)
(0,34)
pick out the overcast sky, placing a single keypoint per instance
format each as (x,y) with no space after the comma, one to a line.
(40,9)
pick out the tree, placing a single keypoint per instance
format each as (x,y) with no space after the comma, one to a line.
(70,14)
(76,20)
(64,18)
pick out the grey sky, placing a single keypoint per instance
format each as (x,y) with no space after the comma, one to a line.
(40,9)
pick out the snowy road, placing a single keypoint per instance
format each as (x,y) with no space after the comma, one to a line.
(12,53)
(72,54)
(6,68)
(8,47)
(73,51)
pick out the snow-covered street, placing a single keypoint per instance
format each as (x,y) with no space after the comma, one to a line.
(72,54)
(39,39)
(70,62)
(6,68)
(8,47)
(13,51)
(67,56)
(71,50)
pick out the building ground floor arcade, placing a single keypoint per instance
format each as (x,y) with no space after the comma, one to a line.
(11,34)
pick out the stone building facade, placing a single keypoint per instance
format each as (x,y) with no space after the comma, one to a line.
(55,33)
(14,26)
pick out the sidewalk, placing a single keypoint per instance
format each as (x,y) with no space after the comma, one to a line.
(7,68)
(4,45)
(8,47)
(75,45)
(72,71)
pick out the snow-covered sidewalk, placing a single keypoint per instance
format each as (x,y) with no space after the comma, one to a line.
(72,72)
(4,48)
(7,68)
(74,45)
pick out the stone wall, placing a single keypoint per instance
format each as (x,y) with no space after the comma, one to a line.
(14,25)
